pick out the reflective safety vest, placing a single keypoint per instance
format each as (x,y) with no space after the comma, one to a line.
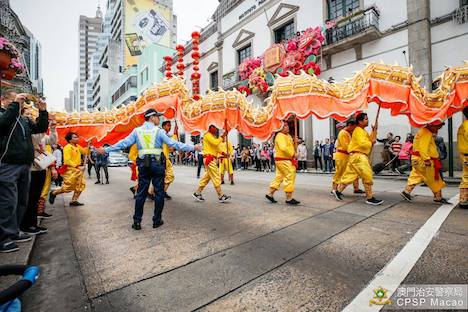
(147,139)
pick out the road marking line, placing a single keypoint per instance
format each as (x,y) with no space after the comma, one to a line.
(391,276)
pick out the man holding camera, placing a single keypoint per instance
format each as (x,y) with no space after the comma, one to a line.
(16,157)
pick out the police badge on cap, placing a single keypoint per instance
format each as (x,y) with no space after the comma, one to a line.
(152,112)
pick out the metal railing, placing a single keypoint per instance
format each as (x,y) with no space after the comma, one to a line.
(355,24)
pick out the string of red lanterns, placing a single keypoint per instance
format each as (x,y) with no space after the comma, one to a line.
(180,60)
(195,77)
(168,60)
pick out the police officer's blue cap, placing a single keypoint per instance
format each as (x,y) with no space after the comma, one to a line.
(152,112)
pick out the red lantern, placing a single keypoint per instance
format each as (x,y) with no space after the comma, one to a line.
(195,68)
(195,75)
(196,97)
(180,47)
(168,58)
(195,62)
(196,55)
(195,35)
(168,74)
(180,66)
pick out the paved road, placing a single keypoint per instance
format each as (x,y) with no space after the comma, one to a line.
(240,256)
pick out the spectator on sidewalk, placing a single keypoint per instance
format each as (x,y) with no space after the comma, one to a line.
(91,161)
(387,142)
(405,155)
(265,158)
(245,158)
(258,164)
(39,177)
(442,149)
(102,162)
(327,154)
(318,155)
(302,155)
(395,149)
(16,157)
(57,152)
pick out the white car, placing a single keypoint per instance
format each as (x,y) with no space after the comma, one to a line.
(117,159)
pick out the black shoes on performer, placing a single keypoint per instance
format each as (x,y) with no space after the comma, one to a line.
(76,203)
(271,198)
(232,182)
(52,197)
(358,191)
(293,202)
(198,197)
(374,201)
(224,198)
(167,197)
(338,195)
(406,196)
(442,201)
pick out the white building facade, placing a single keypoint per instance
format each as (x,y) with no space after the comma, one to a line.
(429,34)
(89,30)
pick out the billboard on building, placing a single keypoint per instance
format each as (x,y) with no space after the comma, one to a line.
(146,22)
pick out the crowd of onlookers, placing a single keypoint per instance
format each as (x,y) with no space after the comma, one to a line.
(29,156)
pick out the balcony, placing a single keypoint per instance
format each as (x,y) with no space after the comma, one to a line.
(231,80)
(358,28)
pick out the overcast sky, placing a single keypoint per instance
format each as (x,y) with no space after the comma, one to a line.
(55,24)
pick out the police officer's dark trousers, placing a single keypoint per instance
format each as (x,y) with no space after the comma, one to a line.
(154,172)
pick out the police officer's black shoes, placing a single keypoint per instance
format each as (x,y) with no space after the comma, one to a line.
(158,224)
(166,196)
(136,226)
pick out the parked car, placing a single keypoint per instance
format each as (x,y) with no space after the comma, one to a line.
(117,159)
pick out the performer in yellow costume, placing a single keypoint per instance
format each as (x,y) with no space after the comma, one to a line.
(341,156)
(73,177)
(169,177)
(211,146)
(225,156)
(358,165)
(462,139)
(285,156)
(425,163)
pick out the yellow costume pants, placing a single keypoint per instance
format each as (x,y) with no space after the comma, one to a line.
(226,165)
(421,173)
(73,181)
(47,183)
(169,177)
(211,173)
(358,167)
(340,168)
(464,181)
(285,172)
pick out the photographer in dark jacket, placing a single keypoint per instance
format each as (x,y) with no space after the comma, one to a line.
(16,157)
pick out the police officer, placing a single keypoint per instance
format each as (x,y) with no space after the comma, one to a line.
(151,163)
